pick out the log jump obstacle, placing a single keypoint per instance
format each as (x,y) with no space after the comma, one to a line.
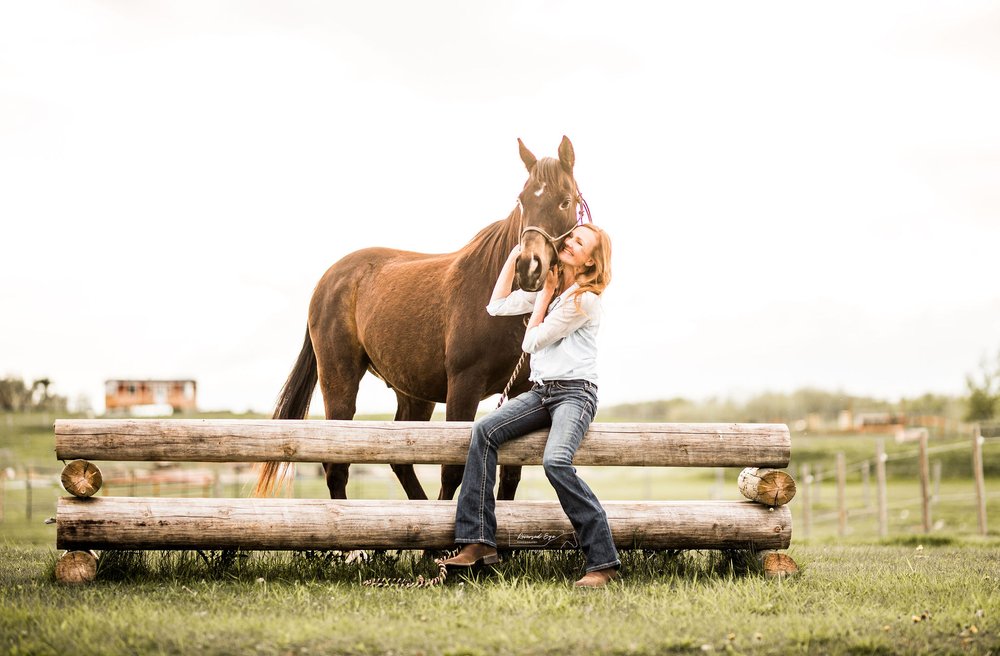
(85,522)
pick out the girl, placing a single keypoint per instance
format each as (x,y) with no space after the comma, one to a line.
(561,340)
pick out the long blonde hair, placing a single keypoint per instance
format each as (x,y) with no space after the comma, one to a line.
(597,277)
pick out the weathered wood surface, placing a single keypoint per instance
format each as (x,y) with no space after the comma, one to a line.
(769,486)
(81,478)
(412,442)
(157,523)
(76,567)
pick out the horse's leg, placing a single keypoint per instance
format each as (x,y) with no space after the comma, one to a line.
(339,377)
(463,400)
(411,409)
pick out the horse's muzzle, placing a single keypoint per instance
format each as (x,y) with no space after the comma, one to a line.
(530,273)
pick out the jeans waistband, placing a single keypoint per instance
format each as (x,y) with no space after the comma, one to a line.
(573,383)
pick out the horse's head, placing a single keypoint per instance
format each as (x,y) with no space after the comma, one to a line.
(548,207)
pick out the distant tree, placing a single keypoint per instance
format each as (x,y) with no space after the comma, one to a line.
(14,394)
(983,401)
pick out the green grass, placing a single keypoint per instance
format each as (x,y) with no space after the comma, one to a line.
(847,600)
(910,593)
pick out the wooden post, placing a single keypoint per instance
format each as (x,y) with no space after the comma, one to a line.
(216,483)
(131,482)
(866,489)
(936,479)
(772,487)
(841,495)
(806,501)
(719,483)
(81,478)
(75,567)
(883,508)
(977,471)
(925,485)
(27,493)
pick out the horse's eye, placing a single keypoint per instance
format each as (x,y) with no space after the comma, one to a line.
(565,204)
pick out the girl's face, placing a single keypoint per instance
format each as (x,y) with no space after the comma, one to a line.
(578,248)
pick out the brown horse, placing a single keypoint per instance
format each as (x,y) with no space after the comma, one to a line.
(418,322)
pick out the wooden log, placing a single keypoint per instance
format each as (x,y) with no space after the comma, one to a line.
(768,486)
(276,524)
(412,442)
(775,564)
(82,478)
(75,567)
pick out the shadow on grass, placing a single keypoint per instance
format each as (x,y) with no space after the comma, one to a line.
(335,567)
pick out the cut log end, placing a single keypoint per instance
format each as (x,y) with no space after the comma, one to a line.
(76,567)
(82,478)
(772,487)
(775,564)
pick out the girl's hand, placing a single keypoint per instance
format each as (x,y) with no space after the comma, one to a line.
(551,281)
(514,253)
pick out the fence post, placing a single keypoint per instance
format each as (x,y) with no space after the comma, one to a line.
(720,483)
(925,485)
(936,481)
(866,490)
(806,501)
(27,493)
(977,470)
(841,495)
(883,509)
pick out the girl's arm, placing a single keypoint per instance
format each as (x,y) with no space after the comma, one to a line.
(544,298)
(506,277)
(504,302)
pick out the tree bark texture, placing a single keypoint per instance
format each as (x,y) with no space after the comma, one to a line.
(409,442)
(277,524)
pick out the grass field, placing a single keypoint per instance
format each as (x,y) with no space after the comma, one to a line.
(910,593)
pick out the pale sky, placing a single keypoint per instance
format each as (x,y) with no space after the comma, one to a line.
(798,193)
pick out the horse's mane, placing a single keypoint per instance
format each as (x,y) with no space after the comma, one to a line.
(489,249)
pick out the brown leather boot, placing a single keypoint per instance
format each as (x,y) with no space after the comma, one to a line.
(598,578)
(473,554)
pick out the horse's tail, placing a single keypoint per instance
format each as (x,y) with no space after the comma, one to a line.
(293,403)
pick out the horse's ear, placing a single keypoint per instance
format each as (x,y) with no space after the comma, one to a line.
(566,156)
(526,156)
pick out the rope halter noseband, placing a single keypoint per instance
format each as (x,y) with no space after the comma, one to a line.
(553,241)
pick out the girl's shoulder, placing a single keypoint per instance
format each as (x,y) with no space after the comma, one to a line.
(589,302)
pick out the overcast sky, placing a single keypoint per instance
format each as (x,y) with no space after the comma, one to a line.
(798,193)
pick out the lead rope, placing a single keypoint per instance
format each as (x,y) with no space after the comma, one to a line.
(419,582)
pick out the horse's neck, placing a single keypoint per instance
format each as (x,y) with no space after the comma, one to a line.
(484,256)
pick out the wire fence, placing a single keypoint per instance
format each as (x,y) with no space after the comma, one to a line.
(870,499)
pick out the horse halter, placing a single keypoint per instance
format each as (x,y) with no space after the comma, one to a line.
(579,222)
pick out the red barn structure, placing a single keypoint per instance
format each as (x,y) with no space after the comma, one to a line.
(131,395)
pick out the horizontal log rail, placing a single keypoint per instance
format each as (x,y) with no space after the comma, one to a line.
(412,442)
(279,524)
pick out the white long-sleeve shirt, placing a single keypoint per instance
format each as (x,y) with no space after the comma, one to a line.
(564,345)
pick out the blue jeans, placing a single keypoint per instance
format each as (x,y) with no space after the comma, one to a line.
(568,406)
